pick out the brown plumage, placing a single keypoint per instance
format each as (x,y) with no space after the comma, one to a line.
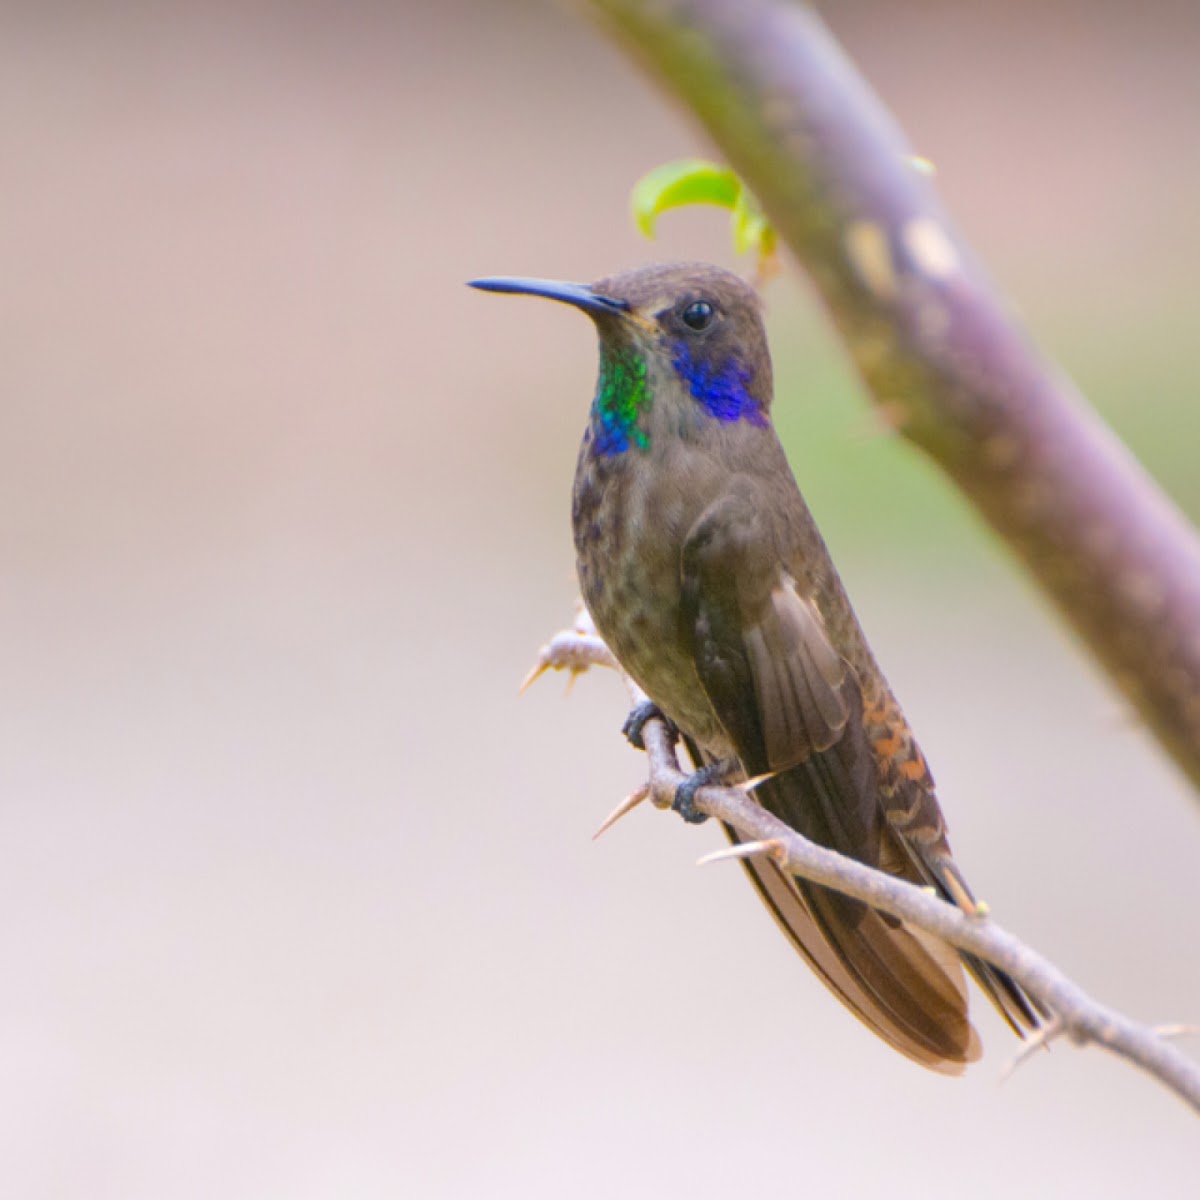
(707,577)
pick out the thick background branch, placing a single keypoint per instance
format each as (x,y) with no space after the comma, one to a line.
(937,348)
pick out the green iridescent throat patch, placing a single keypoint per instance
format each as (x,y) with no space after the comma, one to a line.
(622,395)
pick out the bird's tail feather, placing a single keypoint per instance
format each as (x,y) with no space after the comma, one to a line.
(904,985)
(1022,1012)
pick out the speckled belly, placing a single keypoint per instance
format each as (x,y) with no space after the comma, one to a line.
(628,539)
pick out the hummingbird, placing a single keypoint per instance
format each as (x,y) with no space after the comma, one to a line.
(704,572)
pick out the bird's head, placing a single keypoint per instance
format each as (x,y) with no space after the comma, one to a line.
(683,351)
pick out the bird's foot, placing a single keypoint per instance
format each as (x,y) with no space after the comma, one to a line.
(685,794)
(636,722)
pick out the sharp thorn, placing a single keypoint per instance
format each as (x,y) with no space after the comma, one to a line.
(1174,1031)
(772,846)
(1040,1039)
(539,669)
(750,784)
(626,806)
(959,895)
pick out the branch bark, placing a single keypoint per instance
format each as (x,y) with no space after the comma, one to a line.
(1084,1020)
(937,348)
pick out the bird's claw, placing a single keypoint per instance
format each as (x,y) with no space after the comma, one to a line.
(719,773)
(647,710)
(685,794)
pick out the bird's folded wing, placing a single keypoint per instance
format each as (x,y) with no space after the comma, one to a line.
(791,705)
(760,646)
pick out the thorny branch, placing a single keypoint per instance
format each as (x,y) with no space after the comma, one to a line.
(1076,1015)
(940,352)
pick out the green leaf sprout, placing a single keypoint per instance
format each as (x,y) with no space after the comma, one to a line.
(695,181)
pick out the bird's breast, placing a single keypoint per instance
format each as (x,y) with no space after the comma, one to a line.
(631,514)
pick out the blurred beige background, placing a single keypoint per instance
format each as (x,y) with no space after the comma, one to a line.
(298,899)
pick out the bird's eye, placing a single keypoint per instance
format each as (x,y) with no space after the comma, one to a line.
(698,315)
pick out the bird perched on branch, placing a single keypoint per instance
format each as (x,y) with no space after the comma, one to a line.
(705,574)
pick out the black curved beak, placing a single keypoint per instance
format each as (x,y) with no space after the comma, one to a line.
(577,294)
